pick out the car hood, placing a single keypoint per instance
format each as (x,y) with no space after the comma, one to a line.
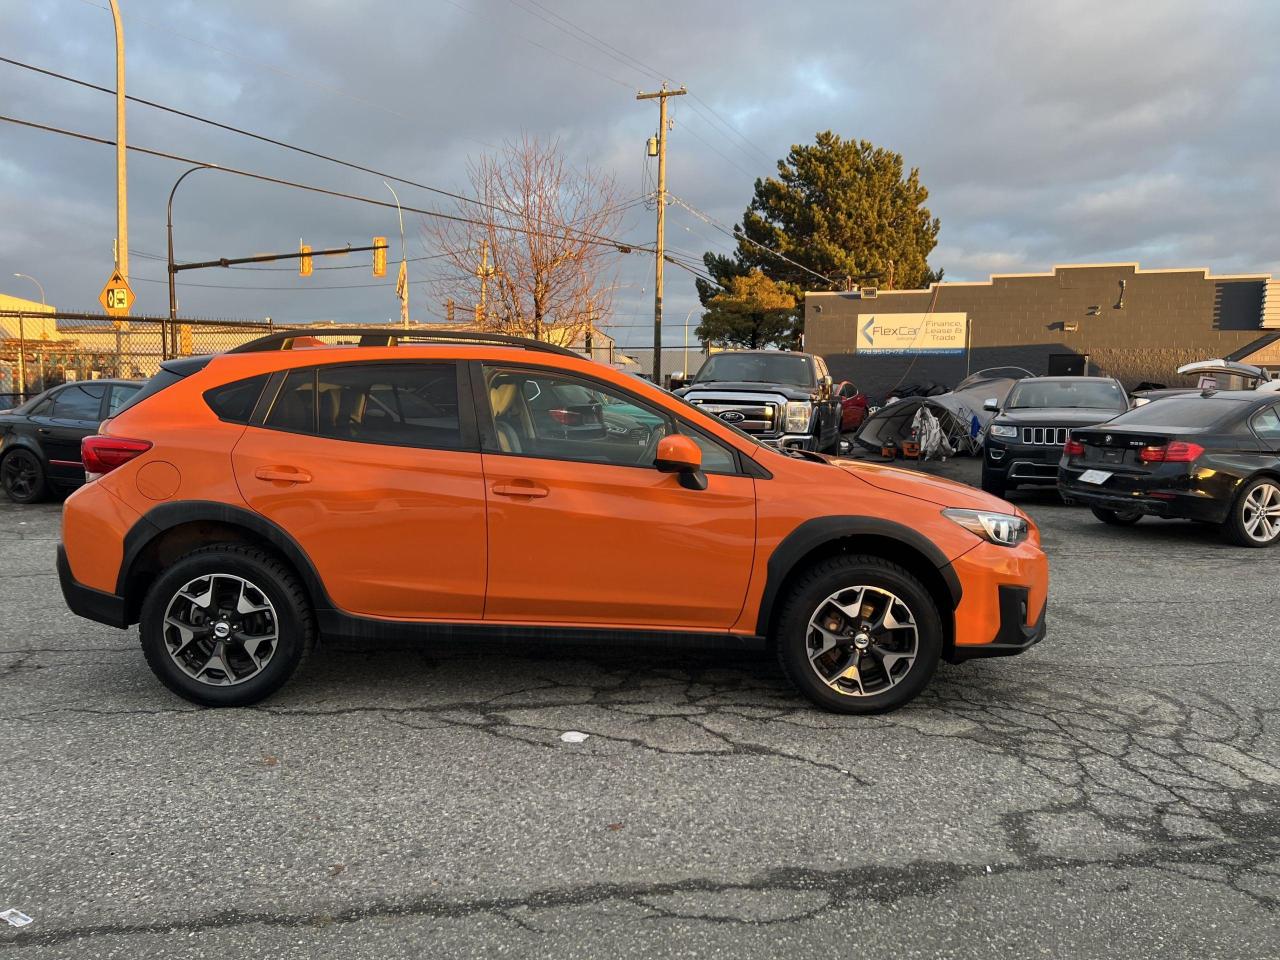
(790,391)
(922,486)
(1065,416)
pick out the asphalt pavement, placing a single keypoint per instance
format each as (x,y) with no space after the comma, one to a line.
(1112,793)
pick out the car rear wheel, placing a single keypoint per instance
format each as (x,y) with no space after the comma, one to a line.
(22,477)
(1117,518)
(859,634)
(226,625)
(1254,520)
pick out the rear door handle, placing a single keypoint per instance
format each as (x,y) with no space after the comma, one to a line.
(525,489)
(286,474)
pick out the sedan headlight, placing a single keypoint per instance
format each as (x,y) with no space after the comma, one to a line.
(1004,430)
(1000,528)
(798,414)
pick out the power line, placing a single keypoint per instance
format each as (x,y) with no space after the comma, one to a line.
(257,136)
(582,237)
(740,235)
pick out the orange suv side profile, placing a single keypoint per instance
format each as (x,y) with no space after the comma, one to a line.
(464,486)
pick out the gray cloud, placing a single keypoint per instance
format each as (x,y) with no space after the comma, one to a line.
(1047,133)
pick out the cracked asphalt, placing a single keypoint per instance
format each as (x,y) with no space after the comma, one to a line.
(1113,793)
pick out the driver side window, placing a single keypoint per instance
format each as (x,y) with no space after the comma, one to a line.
(539,413)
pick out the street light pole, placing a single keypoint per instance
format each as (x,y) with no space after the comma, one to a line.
(404,265)
(22,336)
(685,372)
(168,225)
(122,180)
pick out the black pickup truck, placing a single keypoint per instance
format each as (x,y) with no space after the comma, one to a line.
(781,398)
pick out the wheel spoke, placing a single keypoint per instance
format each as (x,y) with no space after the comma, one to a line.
(245,605)
(218,661)
(186,634)
(890,659)
(851,610)
(251,643)
(850,672)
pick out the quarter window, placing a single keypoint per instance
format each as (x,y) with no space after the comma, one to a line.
(397,404)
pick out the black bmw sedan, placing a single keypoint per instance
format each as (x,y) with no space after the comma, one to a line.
(1211,457)
(40,439)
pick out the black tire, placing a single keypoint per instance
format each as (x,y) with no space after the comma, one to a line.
(1117,518)
(23,477)
(995,483)
(1236,528)
(273,579)
(813,587)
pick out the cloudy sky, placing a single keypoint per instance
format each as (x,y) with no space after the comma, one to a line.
(1046,132)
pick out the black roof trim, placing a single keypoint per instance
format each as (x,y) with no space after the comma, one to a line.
(384,337)
(1266,340)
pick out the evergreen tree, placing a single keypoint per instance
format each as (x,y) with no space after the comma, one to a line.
(754,312)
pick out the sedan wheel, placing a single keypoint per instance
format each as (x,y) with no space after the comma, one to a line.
(22,476)
(1255,519)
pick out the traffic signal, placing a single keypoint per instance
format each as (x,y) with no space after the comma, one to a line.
(304,261)
(380,256)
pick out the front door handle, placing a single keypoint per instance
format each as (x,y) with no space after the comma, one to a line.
(521,489)
(285,474)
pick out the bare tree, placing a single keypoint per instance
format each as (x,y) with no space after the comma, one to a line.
(542,236)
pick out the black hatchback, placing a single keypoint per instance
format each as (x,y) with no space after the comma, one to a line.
(1212,457)
(40,439)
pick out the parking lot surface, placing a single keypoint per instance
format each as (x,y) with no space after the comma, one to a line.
(1112,793)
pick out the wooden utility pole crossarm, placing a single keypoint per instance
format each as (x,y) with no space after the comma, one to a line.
(661,96)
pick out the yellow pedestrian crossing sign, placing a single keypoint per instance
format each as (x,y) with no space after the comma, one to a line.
(116,297)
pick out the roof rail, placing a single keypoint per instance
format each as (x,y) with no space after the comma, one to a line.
(389,337)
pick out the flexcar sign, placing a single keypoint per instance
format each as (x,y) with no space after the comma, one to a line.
(936,333)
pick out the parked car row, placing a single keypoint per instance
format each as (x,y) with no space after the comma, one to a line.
(1210,456)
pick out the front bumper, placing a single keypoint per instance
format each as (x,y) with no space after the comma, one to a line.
(1002,607)
(1022,463)
(87,602)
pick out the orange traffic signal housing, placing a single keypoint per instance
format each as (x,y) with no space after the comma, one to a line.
(304,261)
(380,256)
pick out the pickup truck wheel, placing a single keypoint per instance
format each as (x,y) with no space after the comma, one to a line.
(226,625)
(859,634)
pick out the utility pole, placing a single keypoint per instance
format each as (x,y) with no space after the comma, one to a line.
(661,96)
(122,182)
(484,272)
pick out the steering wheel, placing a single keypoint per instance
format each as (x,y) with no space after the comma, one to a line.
(651,448)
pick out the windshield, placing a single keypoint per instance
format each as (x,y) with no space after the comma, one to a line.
(790,368)
(1067,393)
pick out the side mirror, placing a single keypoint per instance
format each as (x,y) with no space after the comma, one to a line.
(991,404)
(680,455)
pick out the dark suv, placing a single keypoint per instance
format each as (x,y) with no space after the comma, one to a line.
(782,399)
(1024,442)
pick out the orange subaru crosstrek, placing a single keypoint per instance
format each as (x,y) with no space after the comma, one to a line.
(469,486)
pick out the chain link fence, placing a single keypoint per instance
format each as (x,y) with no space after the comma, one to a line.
(42,350)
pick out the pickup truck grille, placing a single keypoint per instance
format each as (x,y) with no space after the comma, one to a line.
(1045,436)
(756,416)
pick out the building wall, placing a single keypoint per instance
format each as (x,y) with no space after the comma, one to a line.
(1167,318)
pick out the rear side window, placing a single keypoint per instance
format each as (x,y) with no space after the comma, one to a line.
(1266,424)
(234,402)
(398,404)
(79,403)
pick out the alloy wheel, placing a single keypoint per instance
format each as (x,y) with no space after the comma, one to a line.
(862,641)
(1261,513)
(221,629)
(20,475)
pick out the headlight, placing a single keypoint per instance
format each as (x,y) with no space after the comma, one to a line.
(1002,528)
(1002,430)
(797,416)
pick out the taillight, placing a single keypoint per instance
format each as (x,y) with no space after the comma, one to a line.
(103,454)
(1179,451)
(567,418)
(1074,448)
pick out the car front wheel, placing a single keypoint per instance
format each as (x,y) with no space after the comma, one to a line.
(226,625)
(1254,520)
(859,634)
